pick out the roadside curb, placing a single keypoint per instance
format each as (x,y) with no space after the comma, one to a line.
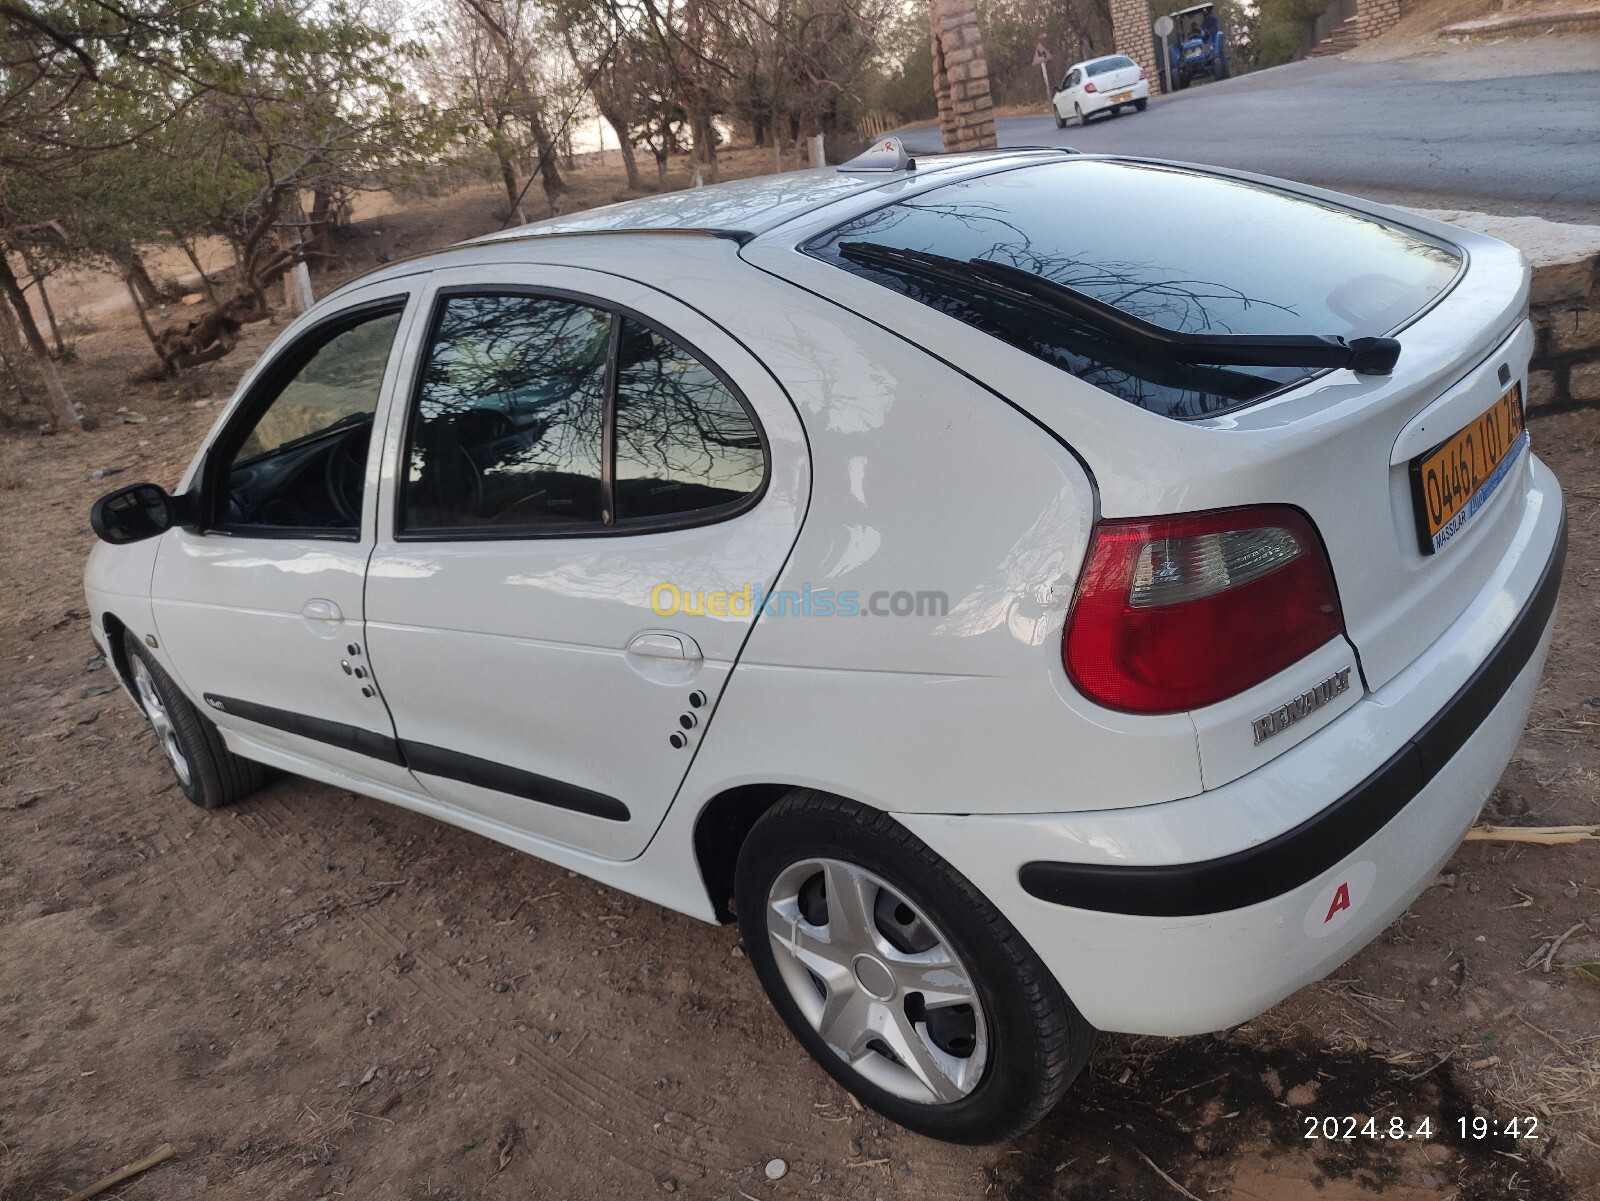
(1519,22)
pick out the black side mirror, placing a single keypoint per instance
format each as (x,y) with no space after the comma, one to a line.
(137,512)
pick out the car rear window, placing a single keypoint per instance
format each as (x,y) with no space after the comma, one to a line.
(1189,252)
(1101,66)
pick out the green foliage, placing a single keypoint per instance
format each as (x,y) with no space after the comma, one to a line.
(1071,31)
(173,118)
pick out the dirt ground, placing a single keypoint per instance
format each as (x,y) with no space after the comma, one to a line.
(314,995)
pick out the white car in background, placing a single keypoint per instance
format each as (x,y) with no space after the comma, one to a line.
(1021,616)
(1099,85)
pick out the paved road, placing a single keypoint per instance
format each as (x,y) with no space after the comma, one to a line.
(1509,130)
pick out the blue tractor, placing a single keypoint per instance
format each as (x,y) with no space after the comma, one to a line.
(1196,47)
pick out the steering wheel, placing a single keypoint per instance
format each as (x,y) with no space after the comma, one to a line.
(344,474)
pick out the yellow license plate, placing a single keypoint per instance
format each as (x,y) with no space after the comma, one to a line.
(1121,96)
(1453,481)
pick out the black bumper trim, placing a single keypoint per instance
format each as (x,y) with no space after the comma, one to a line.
(431,760)
(1282,864)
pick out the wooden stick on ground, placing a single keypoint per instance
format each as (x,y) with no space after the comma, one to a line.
(160,1155)
(1544,835)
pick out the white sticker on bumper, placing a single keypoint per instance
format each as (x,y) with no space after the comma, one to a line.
(1337,903)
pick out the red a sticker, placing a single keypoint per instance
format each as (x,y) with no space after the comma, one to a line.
(1341,900)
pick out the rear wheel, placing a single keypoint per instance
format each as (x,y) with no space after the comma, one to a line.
(210,775)
(1078,110)
(899,977)
(1140,105)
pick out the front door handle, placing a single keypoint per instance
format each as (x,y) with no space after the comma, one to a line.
(659,644)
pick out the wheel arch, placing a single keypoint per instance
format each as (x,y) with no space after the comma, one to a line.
(115,630)
(720,830)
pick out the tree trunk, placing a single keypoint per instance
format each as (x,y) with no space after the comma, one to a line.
(620,127)
(44,300)
(205,280)
(61,406)
(508,174)
(144,319)
(128,260)
(661,168)
(549,170)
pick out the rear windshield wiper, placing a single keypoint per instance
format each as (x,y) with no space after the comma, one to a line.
(1365,356)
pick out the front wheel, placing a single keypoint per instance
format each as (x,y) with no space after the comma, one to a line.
(900,978)
(1061,122)
(208,772)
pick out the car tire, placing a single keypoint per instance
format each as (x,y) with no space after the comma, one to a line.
(209,773)
(998,1044)
(1140,105)
(1078,110)
(1061,122)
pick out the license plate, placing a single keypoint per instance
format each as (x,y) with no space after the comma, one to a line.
(1121,96)
(1454,480)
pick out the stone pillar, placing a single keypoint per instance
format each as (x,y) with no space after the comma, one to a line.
(1375,16)
(1131,32)
(961,77)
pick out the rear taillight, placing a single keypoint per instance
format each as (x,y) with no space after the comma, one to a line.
(1176,613)
(1141,72)
(1088,87)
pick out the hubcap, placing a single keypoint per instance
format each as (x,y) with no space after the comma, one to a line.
(160,720)
(877,981)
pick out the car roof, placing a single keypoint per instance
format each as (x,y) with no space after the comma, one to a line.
(745,208)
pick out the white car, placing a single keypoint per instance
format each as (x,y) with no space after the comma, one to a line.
(1099,85)
(1025,617)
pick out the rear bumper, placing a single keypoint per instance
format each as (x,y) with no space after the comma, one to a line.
(1195,915)
(1286,862)
(1139,91)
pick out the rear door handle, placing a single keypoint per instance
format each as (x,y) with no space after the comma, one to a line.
(322,610)
(659,644)
(323,617)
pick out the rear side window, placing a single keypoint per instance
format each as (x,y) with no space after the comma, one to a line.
(1101,66)
(684,443)
(547,415)
(1189,252)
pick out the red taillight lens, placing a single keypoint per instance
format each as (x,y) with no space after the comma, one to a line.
(1088,87)
(1141,72)
(1176,613)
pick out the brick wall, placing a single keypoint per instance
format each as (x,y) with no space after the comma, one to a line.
(1130,30)
(1375,16)
(961,77)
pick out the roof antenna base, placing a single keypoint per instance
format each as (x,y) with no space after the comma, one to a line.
(883,157)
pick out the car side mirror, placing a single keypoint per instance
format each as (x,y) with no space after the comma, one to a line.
(137,512)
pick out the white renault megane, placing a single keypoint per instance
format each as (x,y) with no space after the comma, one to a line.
(1002,602)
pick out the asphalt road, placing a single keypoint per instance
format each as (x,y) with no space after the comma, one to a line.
(1502,129)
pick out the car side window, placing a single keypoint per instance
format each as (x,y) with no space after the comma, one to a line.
(300,465)
(546,415)
(684,442)
(506,424)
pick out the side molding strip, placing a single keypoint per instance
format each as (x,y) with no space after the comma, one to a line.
(430,760)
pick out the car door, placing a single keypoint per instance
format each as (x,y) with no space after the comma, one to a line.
(258,607)
(591,492)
